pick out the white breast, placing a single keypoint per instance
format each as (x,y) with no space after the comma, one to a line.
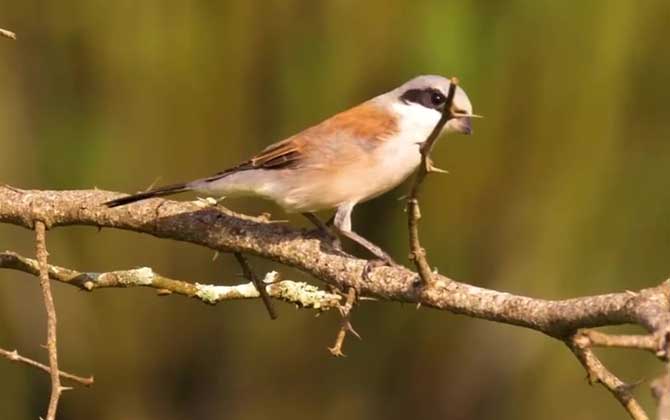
(416,121)
(398,156)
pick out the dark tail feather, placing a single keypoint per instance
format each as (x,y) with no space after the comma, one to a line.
(158,192)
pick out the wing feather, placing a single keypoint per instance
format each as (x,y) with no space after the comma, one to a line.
(367,125)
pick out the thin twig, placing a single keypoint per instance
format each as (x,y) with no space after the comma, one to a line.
(417,252)
(14,356)
(660,389)
(345,327)
(42,254)
(597,372)
(300,294)
(7,34)
(250,275)
(599,339)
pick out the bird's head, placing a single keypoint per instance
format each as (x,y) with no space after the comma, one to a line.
(427,96)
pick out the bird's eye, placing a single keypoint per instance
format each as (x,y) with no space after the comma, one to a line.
(437,98)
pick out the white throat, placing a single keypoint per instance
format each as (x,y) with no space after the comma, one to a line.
(416,122)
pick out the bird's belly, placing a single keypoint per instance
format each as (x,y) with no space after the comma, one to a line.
(351,184)
(367,179)
(395,164)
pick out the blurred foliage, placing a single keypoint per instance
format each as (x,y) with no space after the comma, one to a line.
(562,191)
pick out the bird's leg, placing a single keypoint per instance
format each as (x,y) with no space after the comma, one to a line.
(343,225)
(372,248)
(324,230)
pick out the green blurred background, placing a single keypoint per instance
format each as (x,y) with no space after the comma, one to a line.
(562,191)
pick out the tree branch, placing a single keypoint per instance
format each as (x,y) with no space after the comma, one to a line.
(52,343)
(222,230)
(660,389)
(345,326)
(597,372)
(593,338)
(250,275)
(417,252)
(14,356)
(7,34)
(300,294)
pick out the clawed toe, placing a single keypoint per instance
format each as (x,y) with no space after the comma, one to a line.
(336,243)
(327,237)
(372,264)
(333,241)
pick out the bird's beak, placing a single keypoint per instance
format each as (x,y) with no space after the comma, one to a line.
(463,123)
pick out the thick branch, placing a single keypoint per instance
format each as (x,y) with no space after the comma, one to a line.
(223,230)
(220,229)
(14,356)
(300,294)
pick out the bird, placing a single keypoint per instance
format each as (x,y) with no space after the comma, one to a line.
(347,159)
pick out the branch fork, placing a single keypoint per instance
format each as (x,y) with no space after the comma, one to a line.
(345,325)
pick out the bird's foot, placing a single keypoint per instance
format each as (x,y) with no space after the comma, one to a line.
(329,237)
(335,242)
(371,265)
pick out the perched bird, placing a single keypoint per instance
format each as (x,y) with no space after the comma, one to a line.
(349,158)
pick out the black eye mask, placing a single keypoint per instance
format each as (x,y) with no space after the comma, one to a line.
(430,98)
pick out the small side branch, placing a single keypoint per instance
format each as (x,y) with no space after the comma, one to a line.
(345,327)
(417,252)
(300,294)
(14,356)
(7,34)
(593,338)
(660,389)
(260,286)
(597,372)
(52,347)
